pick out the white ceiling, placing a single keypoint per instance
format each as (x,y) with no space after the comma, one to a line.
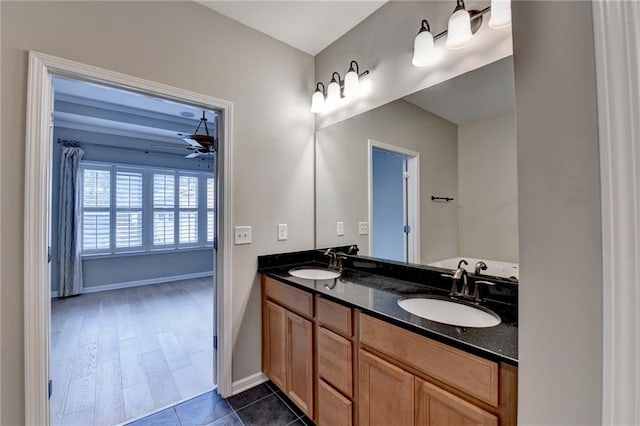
(306,25)
(482,93)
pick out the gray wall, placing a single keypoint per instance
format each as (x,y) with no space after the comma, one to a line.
(560,294)
(103,270)
(560,332)
(341,175)
(488,189)
(269,83)
(113,270)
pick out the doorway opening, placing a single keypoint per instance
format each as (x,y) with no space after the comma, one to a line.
(393,203)
(133,239)
(121,221)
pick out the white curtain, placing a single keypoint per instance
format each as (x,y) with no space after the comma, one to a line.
(69,247)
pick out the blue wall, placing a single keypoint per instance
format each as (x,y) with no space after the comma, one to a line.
(388,217)
(122,268)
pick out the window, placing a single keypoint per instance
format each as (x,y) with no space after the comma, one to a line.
(96,205)
(140,209)
(163,209)
(188,210)
(211,204)
(128,209)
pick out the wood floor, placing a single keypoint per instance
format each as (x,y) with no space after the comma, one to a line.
(120,354)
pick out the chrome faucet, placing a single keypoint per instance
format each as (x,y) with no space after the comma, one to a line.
(480,266)
(460,274)
(339,258)
(333,259)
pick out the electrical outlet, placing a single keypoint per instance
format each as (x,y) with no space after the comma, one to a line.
(340,229)
(242,234)
(282,231)
(363,228)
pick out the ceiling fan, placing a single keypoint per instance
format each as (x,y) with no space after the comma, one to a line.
(202,144)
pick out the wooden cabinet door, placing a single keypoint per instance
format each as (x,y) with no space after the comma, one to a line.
(333,408)
(299,383)
(386,392)
(274,340)
(437,407)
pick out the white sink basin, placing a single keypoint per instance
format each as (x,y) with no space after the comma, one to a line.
(449,312)
(314,273)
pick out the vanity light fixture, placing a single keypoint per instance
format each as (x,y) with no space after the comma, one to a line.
(352,80)
(333,90)
(317,99)
(462,25)
(459,28)
(500,14)
(423,46)
(337,89)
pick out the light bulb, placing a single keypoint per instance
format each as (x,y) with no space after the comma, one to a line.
(459,31)
(317,102)
(423,46)
(500,14)
(351,83)
(333,93)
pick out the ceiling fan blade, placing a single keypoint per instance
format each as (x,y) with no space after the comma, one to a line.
(192,155)
(192,142)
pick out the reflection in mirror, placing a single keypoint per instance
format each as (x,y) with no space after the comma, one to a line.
(429,179)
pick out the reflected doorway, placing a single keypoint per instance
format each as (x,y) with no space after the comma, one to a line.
(393,203)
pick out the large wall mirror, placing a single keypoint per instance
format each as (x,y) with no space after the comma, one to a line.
(427,179)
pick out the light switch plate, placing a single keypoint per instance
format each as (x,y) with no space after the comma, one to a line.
(242,234)
(282,231)
(363,228)
(340,228)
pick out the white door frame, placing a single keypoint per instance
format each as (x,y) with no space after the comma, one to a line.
(37,291)
(413,203)
(617,40)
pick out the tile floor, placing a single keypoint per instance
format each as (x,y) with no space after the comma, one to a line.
(264,404)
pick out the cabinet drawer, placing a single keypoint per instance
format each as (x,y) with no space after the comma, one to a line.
(435,406)
(471,374)
(335,363)
(333,408)
(333,316)
(295,300)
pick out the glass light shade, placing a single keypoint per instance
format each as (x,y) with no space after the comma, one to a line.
(422,49)
(351,84)
(500,14)
(333,93)
(317,102)
(459,32)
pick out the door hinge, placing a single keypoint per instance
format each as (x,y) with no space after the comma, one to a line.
(406,175)
(407,229)
(51,119)
(215,243)
(49,254)
(50,388)
(215,342)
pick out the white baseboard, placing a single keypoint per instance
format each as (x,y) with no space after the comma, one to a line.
(247,383)
(127,284)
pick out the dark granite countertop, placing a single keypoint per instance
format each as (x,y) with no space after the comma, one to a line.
(378,296)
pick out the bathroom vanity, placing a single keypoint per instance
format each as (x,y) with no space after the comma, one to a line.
(345,352)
